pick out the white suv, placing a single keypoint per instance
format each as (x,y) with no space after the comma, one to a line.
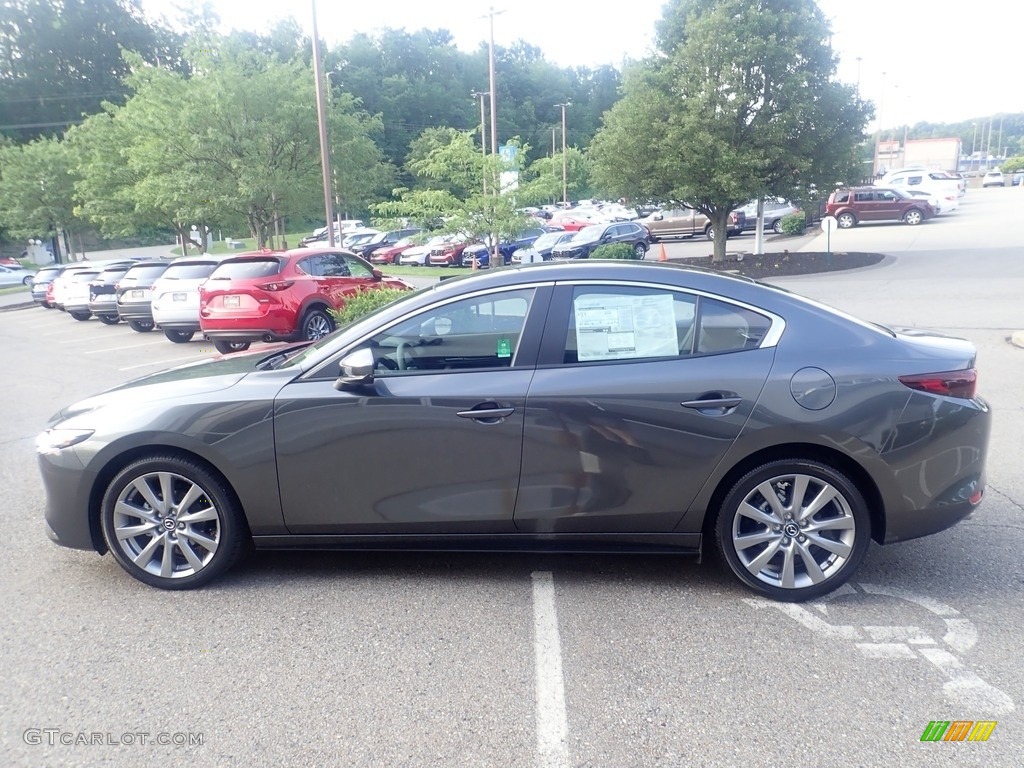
(937,183)
(993,179)
(176,296)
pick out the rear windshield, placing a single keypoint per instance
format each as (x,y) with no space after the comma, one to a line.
(250,268)
(190,271)
(107,274)
(144,273)
(47,272)
(82,276)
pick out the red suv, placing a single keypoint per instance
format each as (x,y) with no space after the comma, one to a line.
(282,295)
(852,206)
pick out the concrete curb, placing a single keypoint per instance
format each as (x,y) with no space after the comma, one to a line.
(12,307)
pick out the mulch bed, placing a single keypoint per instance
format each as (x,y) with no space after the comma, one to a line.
(786,264)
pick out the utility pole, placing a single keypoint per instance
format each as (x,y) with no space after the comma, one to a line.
(496,255)
(483,132)
(565,165)
(325,155)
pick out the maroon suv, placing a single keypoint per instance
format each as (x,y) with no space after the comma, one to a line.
(856,204)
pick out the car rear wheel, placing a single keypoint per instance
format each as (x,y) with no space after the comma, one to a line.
(709,233)
(141,326)
(777,227)
(171,523)
(179,337)
(316,324)
(639,251)
(913,217)
(27,282)
(846,220)
(793,529)
(227,347)
(80,315)
(109,319)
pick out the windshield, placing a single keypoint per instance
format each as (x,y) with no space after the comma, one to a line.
(189,271)
(547,240)
(589,234)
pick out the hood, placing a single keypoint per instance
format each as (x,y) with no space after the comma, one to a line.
(184,381)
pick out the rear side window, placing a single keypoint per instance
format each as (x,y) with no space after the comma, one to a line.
(246,270)
(189,271)
(842,197)
(728,328)
(864,197)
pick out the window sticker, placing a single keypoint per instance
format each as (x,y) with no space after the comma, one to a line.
(504,348)
(625,327)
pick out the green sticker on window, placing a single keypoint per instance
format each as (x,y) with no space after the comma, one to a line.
(504,348)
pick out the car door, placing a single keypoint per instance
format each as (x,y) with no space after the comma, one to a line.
(887,204)
(434,444)
(865,205)
(639,393)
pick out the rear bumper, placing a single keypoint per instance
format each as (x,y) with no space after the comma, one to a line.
(250,334)
(136,311)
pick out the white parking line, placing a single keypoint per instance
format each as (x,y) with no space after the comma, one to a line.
(128,346)
(552,726)
(168,361)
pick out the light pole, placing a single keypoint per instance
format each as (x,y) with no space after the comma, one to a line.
(878,133)
(483,132)
(494,130)
(565,165)
(325,156)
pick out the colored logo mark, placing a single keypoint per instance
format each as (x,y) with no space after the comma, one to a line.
(958,730)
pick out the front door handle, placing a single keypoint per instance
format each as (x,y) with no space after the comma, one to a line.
(713,405)
(487,413)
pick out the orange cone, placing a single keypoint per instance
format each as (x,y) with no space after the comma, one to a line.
(662,256)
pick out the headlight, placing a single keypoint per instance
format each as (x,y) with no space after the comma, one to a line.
(53,441)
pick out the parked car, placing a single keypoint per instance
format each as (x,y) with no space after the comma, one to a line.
(41,281)
(418,255)
(103,293)
(75,294)
(1016,179)
(481,253)
(687,222)
(993,179)
(854,205)
(573,221)
(15,276)
(357,237)
(450,253)
(584,242)
(938,183)
(608,406)
(282,295)
(390,254)
(774,211)
(175,296)
(541,248)
(941,203)
(62,280)
(383,240)
(134,294)
(319,235)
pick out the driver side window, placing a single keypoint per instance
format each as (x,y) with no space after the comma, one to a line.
(478,333)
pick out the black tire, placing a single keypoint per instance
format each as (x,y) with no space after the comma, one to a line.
(141,326)
(913,217)
(179,337)
(227,347)
(709,232)
(78,315)
(789,558)
(109,319)
(316,324)
(214,535)
(777,226)
(846,220)
(27,282)
(639,251)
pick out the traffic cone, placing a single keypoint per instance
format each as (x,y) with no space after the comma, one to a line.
(662,256)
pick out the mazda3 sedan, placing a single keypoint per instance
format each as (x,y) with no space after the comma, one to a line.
(593,406)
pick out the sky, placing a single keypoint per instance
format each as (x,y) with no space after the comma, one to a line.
(917,61)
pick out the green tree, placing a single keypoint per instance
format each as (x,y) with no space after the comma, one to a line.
(741,102)
(60,59)
(36,191)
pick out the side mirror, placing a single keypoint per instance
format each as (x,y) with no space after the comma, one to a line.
(356,369)
(377,274)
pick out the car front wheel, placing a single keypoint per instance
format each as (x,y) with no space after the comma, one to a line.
(913,217)
(227,347)
(171,523)
(793,529)
(846,220)
(777,227)
(141,326)
(109,319)
(640,250)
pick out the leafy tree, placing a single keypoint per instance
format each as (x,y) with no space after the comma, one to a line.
(1012,164)
(60,59)
(542,181)
(740,102)
(36,190)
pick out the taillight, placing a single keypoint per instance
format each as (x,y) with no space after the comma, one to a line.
(279,285)
(949,383)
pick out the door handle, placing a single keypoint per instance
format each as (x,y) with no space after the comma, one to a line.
(713,405)
(491,414)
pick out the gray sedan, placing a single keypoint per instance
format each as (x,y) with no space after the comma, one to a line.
(590,406)
(15,276)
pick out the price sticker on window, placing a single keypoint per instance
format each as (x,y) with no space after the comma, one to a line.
(504,348)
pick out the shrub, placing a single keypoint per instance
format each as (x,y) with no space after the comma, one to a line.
(613,251)
(365,302)
(793,224)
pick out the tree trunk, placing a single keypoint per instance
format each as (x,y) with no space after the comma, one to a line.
(720,224)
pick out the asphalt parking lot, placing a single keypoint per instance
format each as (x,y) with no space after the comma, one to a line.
(520,660)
